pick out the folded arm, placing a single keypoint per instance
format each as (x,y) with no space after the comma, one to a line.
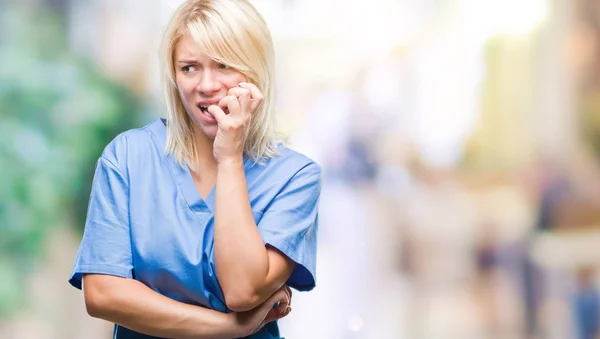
(132,304)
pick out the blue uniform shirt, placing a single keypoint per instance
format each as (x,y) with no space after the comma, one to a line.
(147,221)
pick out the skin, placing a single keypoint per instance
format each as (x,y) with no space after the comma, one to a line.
(249,272)
(132,304)
(252,276)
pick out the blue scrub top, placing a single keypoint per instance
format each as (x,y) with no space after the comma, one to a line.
(147,221)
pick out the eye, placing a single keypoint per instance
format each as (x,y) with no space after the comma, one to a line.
(223,66)
(188,69)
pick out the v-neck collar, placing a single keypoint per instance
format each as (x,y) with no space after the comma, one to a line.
(185,181)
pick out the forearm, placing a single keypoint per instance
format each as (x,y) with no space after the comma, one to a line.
(130,303)
(240,255)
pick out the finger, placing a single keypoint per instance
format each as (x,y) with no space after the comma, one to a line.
(278,299)
(276,312)
(232,104)
(271,316)
(256,96)
(289,291)
(284,300)
(244,97)
(289,294)
(218,113)
(282,310)
(255,93)
(239,91)
(285,312)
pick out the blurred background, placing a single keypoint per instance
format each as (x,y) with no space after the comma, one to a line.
(460,143)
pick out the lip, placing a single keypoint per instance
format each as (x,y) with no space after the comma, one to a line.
(206,118)
(209,102)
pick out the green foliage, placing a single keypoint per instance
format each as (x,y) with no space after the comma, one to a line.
(57,113)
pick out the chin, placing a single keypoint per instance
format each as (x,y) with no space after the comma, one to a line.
(209,131)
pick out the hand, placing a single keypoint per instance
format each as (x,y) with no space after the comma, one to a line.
(240,103)
(252,321)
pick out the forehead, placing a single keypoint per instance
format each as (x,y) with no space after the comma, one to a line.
(188,48)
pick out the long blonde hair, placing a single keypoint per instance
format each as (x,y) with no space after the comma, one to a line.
(231,32)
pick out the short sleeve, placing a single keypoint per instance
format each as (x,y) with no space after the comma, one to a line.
(290,224)
(105,247)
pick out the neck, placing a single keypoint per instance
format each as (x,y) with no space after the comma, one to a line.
(205,160)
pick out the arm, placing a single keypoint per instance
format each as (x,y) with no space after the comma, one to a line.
(248,271)
(132,304)
(104,262)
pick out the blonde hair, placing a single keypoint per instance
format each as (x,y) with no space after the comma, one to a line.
(231,32)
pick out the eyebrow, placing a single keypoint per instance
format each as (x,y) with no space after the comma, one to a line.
(187,61)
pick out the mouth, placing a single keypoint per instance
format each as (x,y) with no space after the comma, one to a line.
(204,109)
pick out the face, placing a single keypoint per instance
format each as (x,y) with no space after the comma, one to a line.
(201,81)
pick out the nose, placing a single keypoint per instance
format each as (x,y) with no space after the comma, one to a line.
(208,83)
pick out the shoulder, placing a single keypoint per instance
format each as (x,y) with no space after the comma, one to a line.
(289,164)
(130,144)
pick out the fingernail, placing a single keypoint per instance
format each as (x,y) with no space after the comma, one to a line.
(242,84)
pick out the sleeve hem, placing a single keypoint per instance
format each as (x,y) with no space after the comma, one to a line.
(77,275)
(307,280)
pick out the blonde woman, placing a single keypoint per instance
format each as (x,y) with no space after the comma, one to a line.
(207,192)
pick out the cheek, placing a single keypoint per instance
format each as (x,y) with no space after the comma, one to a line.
(233,80)
(184,91)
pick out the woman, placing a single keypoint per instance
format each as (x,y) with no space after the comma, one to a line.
(208,192)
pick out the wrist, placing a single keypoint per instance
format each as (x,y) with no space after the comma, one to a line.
(231,161)
(237,330)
